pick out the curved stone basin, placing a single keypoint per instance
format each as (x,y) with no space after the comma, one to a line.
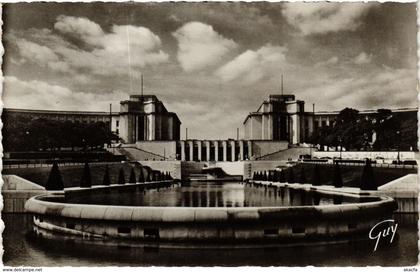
(287,224)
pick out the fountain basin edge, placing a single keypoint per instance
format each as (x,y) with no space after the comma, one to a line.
(198,224)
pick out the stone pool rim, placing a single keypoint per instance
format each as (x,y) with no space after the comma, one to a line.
(41,206)
(238,225)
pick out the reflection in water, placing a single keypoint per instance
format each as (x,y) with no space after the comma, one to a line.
(214,194)
(22,249)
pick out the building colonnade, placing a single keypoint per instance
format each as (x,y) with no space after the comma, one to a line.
(214,150)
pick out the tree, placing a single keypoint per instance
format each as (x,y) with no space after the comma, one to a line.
(22,133)
(86,180)
(106,180)
(55,180)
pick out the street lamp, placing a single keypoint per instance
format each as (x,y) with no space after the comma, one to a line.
(27,145)
(398,146)
(341,148)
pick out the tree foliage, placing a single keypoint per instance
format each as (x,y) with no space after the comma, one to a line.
(34,134)
(383,130)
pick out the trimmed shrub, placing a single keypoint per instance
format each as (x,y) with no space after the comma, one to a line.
(282,177)
(55,180)
(302,178)
(316,178)
(367,181)
(132,178)
(291,176)
(106,180)
(338,180)
(141,176)
(86,180)
(121,176)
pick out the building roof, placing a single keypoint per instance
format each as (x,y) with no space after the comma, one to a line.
(58,112)
(365,111)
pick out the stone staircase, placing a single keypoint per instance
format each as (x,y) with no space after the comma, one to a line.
(286,154)
(135,154)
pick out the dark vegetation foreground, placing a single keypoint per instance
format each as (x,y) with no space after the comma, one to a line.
(351,175)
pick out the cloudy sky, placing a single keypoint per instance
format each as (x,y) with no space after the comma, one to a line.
(212,63)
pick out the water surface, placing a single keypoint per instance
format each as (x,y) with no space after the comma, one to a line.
(215,194)
(23,249)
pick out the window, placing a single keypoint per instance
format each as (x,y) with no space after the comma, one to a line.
(117,123)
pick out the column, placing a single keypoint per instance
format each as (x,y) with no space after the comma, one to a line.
(233,151)
(241,150)
(216,151)
(135,130)
(249,149)
(199,150)
(263,125)
(191,144)
(224,144)
(152,127)
(252,128)
(170,129)
(207,150)
(182,150)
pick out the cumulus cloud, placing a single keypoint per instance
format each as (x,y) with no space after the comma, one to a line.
(363,58)
(200,46)
(251,66)
(320,18)
(104,54)
(35,94)
(331,61)
(367,90)
(81,28)
(41,55)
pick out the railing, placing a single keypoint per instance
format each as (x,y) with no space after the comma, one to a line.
(284,151)
(378,165)
(49,164)
(122,150)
